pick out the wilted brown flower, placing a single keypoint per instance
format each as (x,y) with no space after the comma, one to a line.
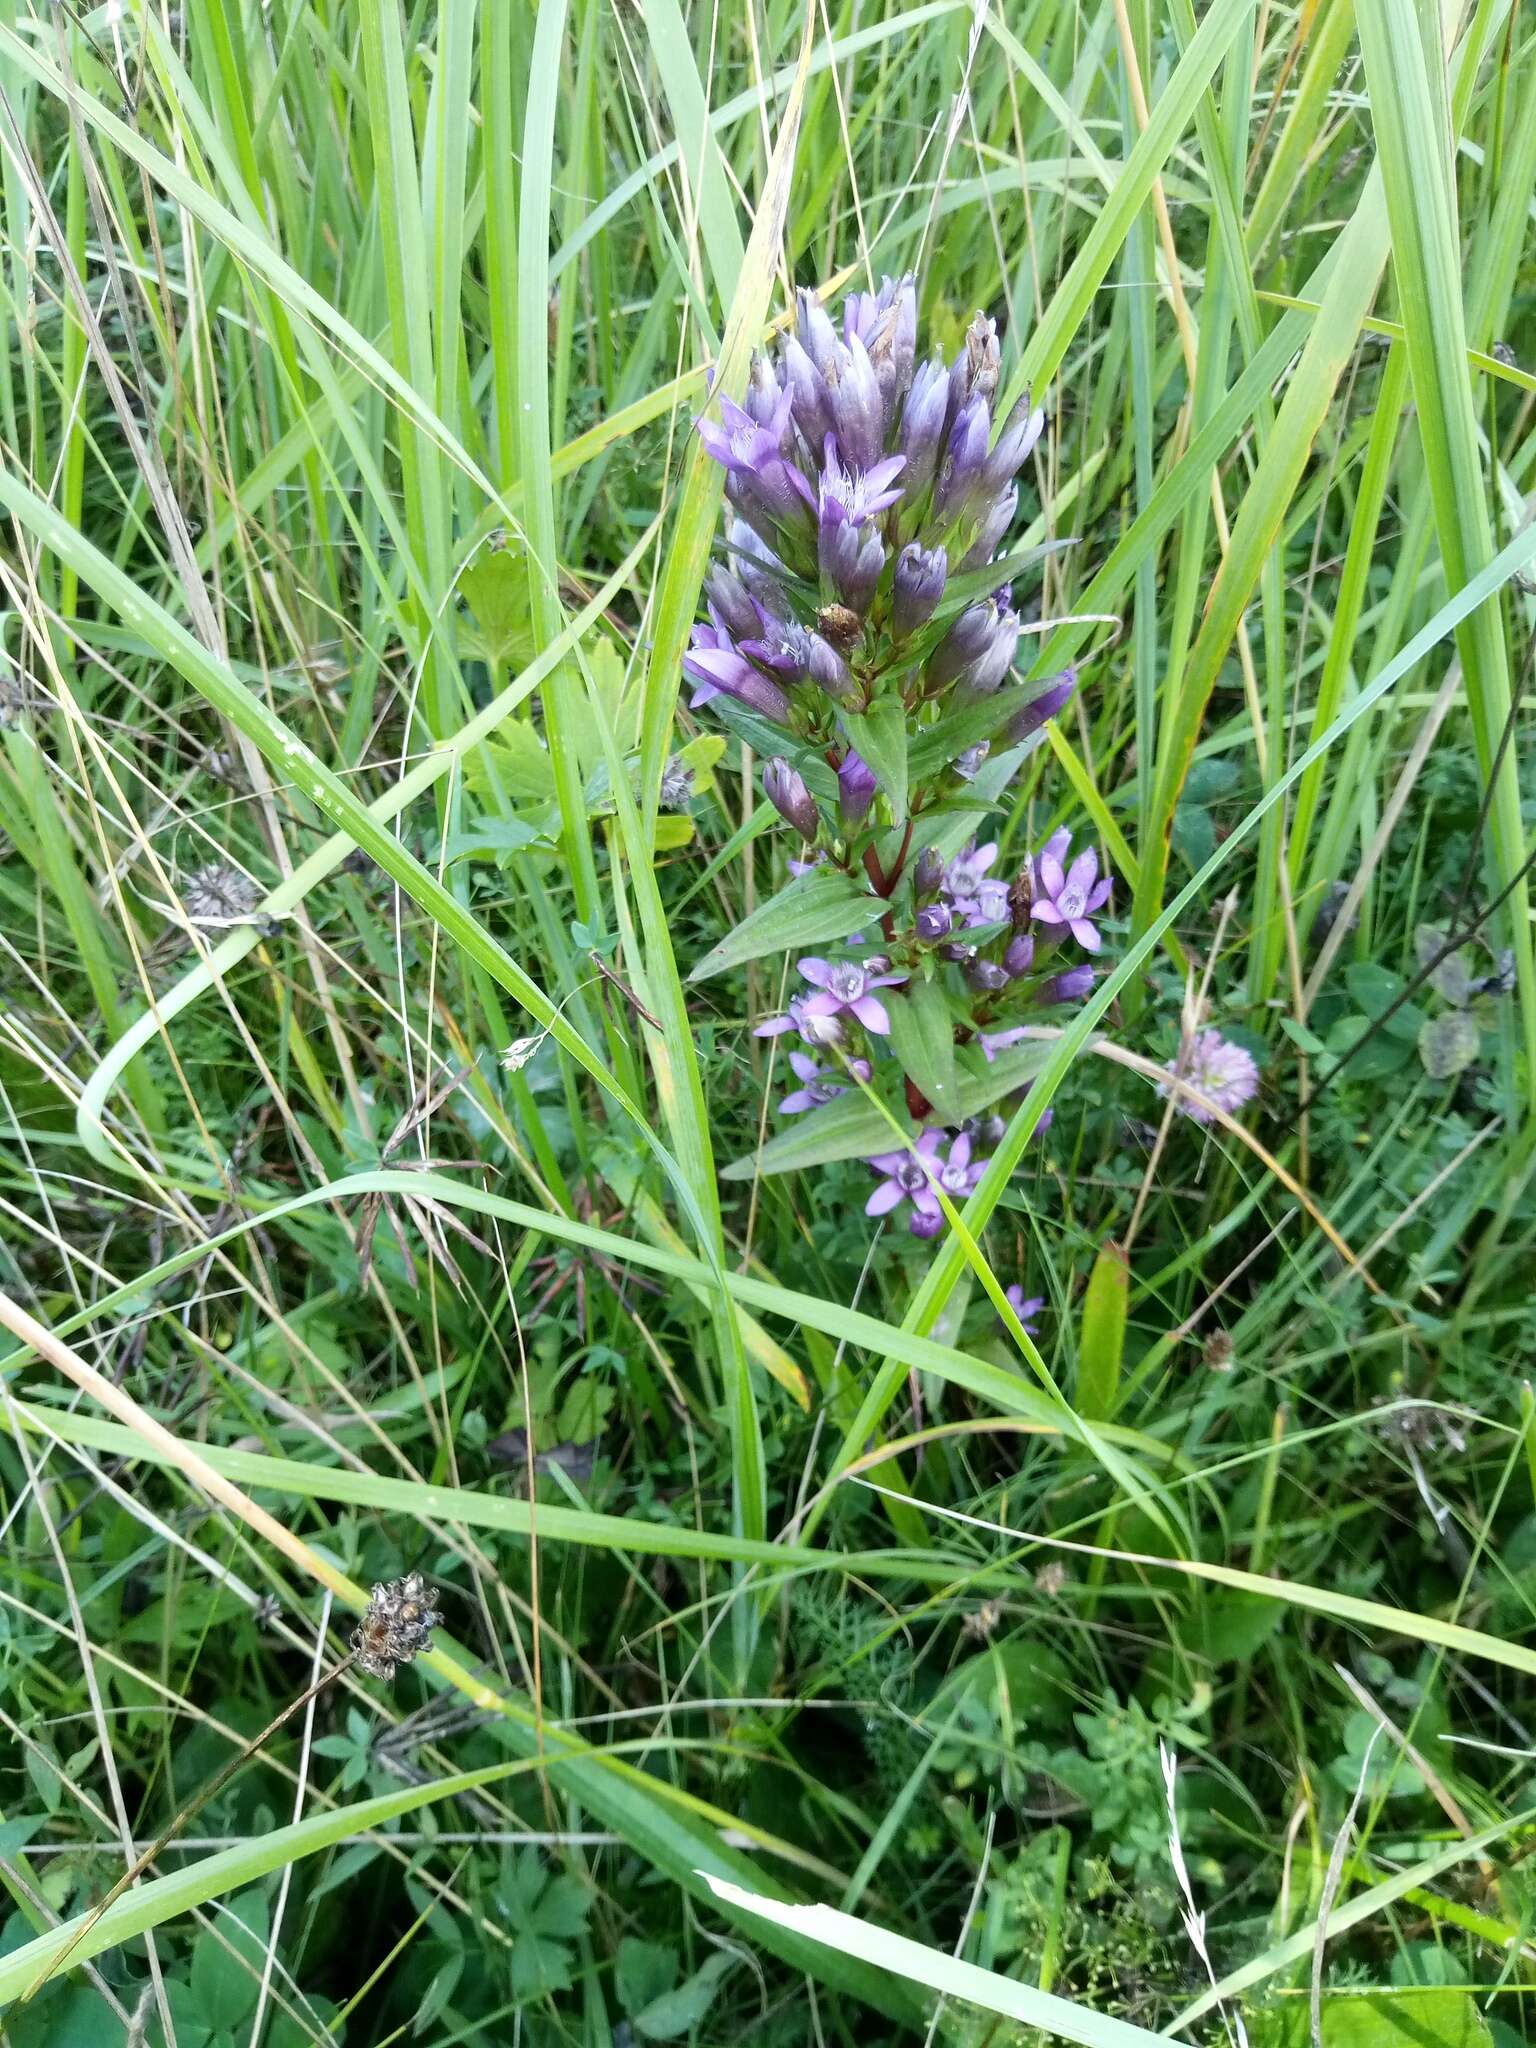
(397,1625)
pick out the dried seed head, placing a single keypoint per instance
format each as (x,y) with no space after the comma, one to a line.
(219,895)
(397,1625)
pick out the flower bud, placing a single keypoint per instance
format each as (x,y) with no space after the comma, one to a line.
(858,411)
(851,558)
(731,602)
(856,787)
(968,765)
(922,1224)
(827,668)
(928,872)
(922,427)
(810,399)
(916,588)
(965,455)
(1068,987)
(977,648)
(1020,956)
(1021,430)
(995,522)
(986,977)
(934,921)
(818,337)
(1056,695)
(785,789)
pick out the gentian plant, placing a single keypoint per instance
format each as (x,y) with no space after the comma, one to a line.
(862,636)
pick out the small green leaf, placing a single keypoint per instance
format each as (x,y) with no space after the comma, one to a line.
(1307,1040)
(1102,1343)
(675,2013)
(1374,988)
(495,587)
(1448,1044)
(852,1128)
(880,735)
(825,904)
(923,1039)
(489,838)
(644,1971)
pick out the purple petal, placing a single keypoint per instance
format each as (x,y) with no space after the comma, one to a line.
(815,970)
(802,1099)
(885,1198)
(820,1005)
(1086,935)
(1083,871)
(887,1162)
(1100,895)
(927,1203)
(1045,912)
(960,1151)
(871,1013)
(928,1144)
(804,1066)
(1052,880)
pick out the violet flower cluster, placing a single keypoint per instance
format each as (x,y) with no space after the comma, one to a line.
(861,637)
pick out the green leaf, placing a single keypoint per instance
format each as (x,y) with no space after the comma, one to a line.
(677,2012)
(923,1039)
(1413,2019)
(938,744)
(1374,988)
(495,587)
(823,905)
(1301,1036)
(643,1972)
(852,1128)
(489,838)
(880,735)
(1102,1343)
(1448,1044)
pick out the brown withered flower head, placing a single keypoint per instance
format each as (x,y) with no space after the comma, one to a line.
(397,1625)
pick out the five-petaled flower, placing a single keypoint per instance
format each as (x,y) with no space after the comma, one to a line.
(1070,898)
(818,1084)
(845,988)
(912,1175)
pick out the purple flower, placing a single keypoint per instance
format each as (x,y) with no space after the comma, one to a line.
(1070,986)
(922,426)
(817,1085)
(916,587)
(1226,1074)
(986,977)
(856,493)
(718,667)
(976,651)
(844,988)
(996,518)
(1021,430)
(785,789)
(935,921)
(731,604)
(1069,899)
(815,1030)
(856,787)
(858,408)
(965,456)
(850,559)
(1020,956)
(912,1175)
(886,323)
(971,891)
(994,1042)
(741,444)
(1026,1307)
(1055,697)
